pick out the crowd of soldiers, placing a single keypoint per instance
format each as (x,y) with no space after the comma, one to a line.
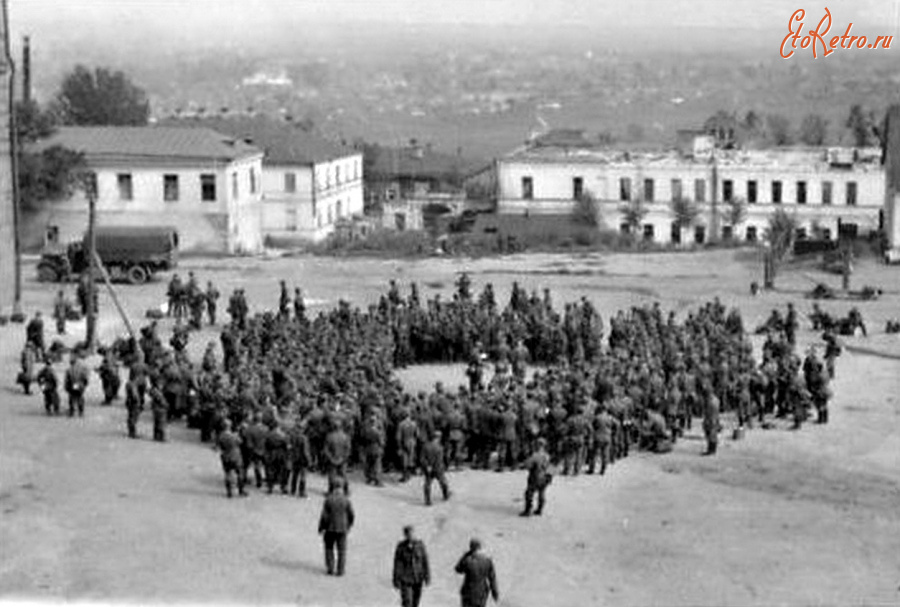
(293,394)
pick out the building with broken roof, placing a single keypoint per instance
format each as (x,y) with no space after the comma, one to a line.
(831,191)
(309,183)
(205,184)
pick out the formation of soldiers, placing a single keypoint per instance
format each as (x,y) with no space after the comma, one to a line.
(292,394)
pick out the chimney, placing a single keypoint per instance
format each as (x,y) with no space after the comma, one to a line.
(26,69)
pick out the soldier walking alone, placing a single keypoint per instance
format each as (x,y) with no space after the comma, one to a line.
(411,569)
(335,523)
(479,579)
(539,478)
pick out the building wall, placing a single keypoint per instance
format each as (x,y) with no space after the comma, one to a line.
(323,194)
(231,223)
(7,201)
(553,192)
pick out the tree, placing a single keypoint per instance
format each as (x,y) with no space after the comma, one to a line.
(685,211)
(49,175)
(633,213)
(737,211)
(586,210)
(780,236)
(101,97)
(33,123)
(858,124)
(779,129)
(813,130)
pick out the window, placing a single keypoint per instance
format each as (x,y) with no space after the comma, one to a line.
(290,182)
(699,234)
(751,192)
(170,188)
(727,233)
(625,228)
(577,187)
(625,188)
(851,193)
(648,190)
(340,208)
(527,188)
(776,192)
(826,192)
(126,189)
(253,181)
(801,192)
(700,190)
(800,233)
(751,233)
(330,214)
(235,190)
(675,233)
(337,175)
(648,232)
(676,189)
(328,177)
(826,233)
(728,190)
(208,188)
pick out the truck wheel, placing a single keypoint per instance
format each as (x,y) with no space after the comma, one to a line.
(137,275)
(47,273)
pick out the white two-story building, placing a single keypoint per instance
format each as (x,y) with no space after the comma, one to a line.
(205,184)
(832,191)
(309,183)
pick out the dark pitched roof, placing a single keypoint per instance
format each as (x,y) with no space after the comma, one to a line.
(283,142)
(149,141)
(569,138)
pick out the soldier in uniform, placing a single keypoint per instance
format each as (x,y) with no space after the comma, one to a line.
(711,424)
(433,467)
(576,433)
(300,458)
(173,294)
(28,361)
(506,453)
(229,445)
(832,351)
(160,408)
(456,437)
(479,578)
(337,454)
(276,458)
(539,478)
(109,377)
(212,301)
(134,406)
(373,438)
(284,302)
(601,440)
(49,384)
(254,443)
(60,312)
(76,382)
(335,523)
(407,441)
(411,570)
(34,333)
(299,305)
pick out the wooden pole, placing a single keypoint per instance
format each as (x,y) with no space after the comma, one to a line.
(91,337)
(112,294)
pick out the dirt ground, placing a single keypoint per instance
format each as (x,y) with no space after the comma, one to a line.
(779,518)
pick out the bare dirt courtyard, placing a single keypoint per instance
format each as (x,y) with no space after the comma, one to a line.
(778,518)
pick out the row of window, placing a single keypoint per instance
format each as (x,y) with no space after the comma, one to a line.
(728,190)
(751,233)
(172,188)
(328,173)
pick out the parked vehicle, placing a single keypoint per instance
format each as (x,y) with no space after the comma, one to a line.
(133,254)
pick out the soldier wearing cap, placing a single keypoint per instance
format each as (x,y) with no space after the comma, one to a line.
(411,570)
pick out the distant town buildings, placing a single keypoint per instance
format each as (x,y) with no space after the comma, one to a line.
(831,191)
(205,184)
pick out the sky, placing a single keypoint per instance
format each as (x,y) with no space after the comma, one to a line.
(205,17)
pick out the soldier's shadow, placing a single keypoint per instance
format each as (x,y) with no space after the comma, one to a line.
(292,565)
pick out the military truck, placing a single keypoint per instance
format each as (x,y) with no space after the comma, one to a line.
(131,254)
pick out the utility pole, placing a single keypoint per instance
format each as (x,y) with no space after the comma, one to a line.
(90,187)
